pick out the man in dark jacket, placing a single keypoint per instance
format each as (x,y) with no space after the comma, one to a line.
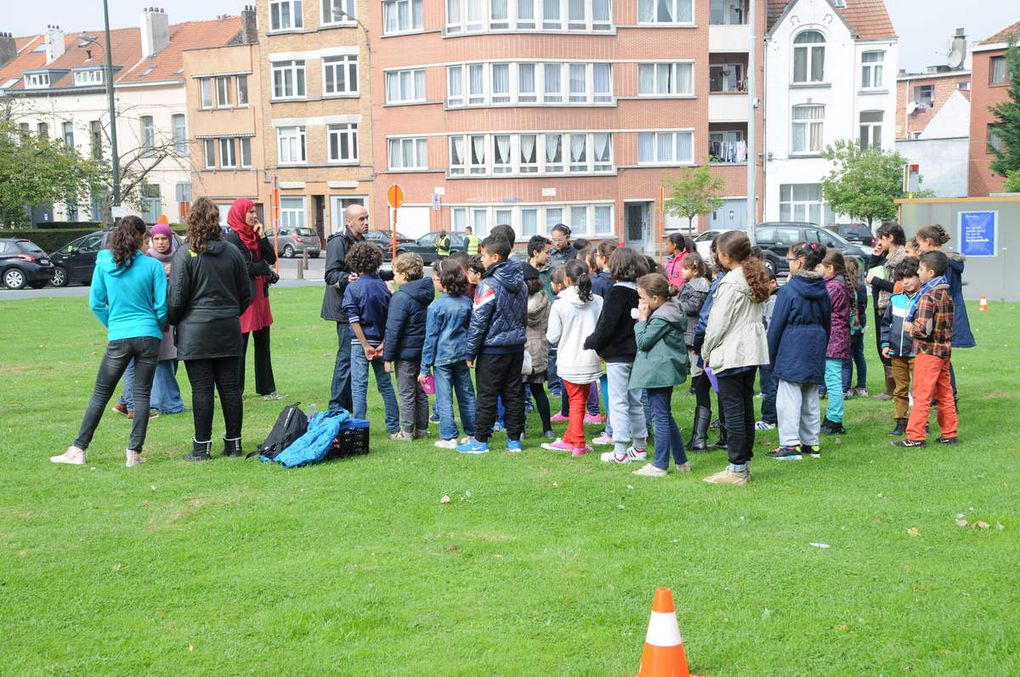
(495,345)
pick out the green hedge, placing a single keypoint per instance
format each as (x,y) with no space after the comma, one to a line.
(48,239)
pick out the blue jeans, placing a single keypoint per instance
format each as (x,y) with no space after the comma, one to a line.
(359,388)
(834,384)
(767,385)
(667,434)
(450,379)
(340,389)
(856,358)
(166,394)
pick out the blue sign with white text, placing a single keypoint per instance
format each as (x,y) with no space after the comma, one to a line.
(979,233)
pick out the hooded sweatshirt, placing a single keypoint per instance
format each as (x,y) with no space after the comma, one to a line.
(538,322)
(500,311)
(963,337)
(571,321)
(735,335)
(130,301)
(167,348)
(662,360)
(799,331)
(405,321)
(839,331)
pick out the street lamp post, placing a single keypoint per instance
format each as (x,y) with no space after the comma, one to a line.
(114,157)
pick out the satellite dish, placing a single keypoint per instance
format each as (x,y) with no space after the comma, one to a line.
(911,108)
(955,59)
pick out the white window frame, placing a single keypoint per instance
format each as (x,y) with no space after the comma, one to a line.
(292,215)
(668,71)
(672,139)
(872,72)
(244,151)
(295,15)
(349,7)
(91,77)
(597,157)
(998,71)
(296,146)
(474,84)
(478,16)
(414,78)
(810,55)
(210,153)
(800,209)
(37,80)
(348,130)
(289,75)
(648,13)
(147,124)
(348,64)
(408,16)
(68,130)
(180,133)
(242,91)
(808,123)
(223,92)
(870,129)
(228,152)
(205,87)
(418,147)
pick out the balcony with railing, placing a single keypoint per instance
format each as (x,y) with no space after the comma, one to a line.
(728,30)
(727,88)
(727,143)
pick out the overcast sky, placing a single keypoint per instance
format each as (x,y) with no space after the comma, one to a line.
(924,26)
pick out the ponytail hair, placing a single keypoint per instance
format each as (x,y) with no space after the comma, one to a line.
(934,233)
(126,240)
(737,247)
(835,259)
(656,284)
(693,261)
(577,272)
(811,252)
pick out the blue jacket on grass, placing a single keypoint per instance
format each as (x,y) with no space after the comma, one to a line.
(130,301)
(405,324)
(799,331)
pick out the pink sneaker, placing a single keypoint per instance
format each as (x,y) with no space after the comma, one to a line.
(594,420)
(73,456)
(580,451)
(602,440)
(558,445)
(559,418)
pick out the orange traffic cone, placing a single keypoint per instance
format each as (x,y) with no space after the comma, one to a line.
(664,653)
(983,303)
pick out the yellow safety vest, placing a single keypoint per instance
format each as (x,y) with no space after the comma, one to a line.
(472,244)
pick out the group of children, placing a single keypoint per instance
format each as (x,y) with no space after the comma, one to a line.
(620,324)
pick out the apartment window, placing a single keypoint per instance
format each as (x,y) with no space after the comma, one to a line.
(727,146)
(245,145)
(228,159)
(807,129)
(148,136)
(205,84)
(727,12)
(210,153)
(88,78)
(553,87)
(809,57)
(292,212)
(43,129)
(96,139)
(340,75)
(602,152)
(457,157)
(408,153)
(666,147)
(871,69)
(242,90)
(476,84)
(527,91)
(509,83)
(871,129)
(403,15)
(666,79)
(499,15)
(549,153)
(37,80)
(69,134)
(665,11)
(997,70)
(800,202)
(338,12)
(553,153)
(288,79)
(994,138)
(476,154)
(528,154)
(405,86)
(285,15)
(502,162)
(223,92)
(603,220)
(925,95)
(455,86)
(726,78)
(466,16)
(180,134)
(500,83)
(343,142)
(291,141)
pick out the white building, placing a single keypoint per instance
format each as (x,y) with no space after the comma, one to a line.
(830,74)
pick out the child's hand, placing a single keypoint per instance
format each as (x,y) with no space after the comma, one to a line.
(642,310)
(422,378)
(470,364)
(869,278)
(353,277)
(886,352)
(908,327)
(388,367)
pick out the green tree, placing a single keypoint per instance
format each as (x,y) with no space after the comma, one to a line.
(693,192)
(1013,182)
(1007,114)
(864,183)
(37,171)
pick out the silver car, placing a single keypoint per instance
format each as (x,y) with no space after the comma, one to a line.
(293,241)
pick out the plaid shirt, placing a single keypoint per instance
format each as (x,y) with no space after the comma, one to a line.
(933,325)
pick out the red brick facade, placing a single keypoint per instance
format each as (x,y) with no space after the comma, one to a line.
(982,180)
(908,89)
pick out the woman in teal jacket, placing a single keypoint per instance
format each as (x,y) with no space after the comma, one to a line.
(128,296)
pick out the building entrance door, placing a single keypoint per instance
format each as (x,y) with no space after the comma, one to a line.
(637,227)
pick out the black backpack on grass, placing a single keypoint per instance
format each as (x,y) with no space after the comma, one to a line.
(290,425)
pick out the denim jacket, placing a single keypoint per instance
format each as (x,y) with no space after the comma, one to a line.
(446,327)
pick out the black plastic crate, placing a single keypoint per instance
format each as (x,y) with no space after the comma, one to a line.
(352,440)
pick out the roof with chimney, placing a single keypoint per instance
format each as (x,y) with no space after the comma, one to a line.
(129,66)
(867,19)
(1003,35)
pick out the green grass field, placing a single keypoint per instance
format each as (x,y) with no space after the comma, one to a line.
(540,564)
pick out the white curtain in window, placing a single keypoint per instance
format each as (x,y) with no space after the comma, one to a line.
(552,79)
(390,16)
(419,84)
(603,147)
(407,152)
(575,10)
(552,149)
(603,220)
(664,11)
(685,10)
(602,76)
(526,10)
(478,150)
(392,87)
(499,10)
(646,78)
(646,147)
(577,148)
(529,221)
(577,80)
(684,147)
(453,11)
(528,149)
(476,80)
(817,64)
(553,215)
(684,78)
(551,10)
(457,150)
(600,11)
(474,12)
(664,147)
(502,149)
(459,218)
(417,13)
(579,220)
(663,84)
(456,83)
(501,80)
(646,10)
(526,78)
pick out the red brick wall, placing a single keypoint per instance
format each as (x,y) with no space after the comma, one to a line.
(981,179)
(918,121)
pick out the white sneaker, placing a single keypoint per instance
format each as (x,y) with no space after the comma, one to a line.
(649,470)
(602,440)
(73,456)
(764,425)
(133,458)
(611,457)
(637,454)
(446,444)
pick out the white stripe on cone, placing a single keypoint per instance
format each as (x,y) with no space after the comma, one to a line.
(663,630)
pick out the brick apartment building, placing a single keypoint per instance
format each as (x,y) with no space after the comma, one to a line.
(921,96)
(990,86)
(533,113)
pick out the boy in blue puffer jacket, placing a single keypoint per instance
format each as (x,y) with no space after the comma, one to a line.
(402,347)
(495,345)
(897,345)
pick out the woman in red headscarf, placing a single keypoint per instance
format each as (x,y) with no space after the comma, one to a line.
(249,235)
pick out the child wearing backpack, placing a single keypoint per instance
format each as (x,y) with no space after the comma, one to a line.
(897,344)
(405,336)
(445,352)
(661,364)
(366,302)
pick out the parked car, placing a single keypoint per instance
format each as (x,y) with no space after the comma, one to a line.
(381,238)
(425,246)
(703,242)
(23,263)
(294,240)
(76,260)
(858,233)
(775,238)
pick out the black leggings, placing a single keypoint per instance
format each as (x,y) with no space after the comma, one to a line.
(221,374)
(736,394)
(265,384)
(541,403)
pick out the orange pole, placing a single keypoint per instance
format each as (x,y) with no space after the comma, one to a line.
(274,215)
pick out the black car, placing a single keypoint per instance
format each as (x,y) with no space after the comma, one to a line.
(23,263)
(76,260)
(776,237)
(858,233)
(425,246)
(381,238)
